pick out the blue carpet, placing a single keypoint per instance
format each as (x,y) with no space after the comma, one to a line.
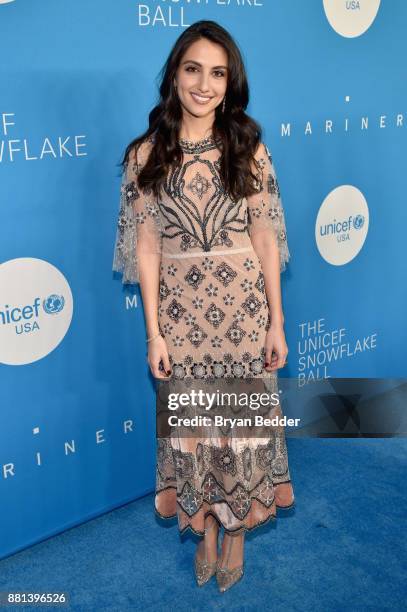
(343,547)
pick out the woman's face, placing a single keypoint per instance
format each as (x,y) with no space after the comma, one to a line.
(201,77)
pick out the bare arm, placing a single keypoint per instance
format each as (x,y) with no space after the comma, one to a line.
(149,286)
(267,233)
(149,266)
(267,251)
(138,251)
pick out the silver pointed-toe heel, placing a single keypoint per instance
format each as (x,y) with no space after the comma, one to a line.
(203,569)
(226,577)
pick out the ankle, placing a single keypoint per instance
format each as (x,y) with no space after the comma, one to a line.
(237,537)
(211,525)
(232,550)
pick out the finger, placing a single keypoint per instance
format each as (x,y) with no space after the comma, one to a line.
(156,370)
(281,361)
(268,356)
(273,361)
(166,364)
(157,373)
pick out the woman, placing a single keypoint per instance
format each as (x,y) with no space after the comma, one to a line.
(201,228)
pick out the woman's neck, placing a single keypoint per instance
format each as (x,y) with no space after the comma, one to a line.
(194,131)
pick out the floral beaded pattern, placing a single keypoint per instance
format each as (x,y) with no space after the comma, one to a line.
(225,477)
(139,223)
(194,213)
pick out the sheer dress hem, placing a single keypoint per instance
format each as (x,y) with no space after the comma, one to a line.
(271,517)
(210,512)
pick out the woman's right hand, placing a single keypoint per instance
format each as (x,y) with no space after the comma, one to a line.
(157,351)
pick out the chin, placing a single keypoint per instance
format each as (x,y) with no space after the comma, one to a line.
(199,111)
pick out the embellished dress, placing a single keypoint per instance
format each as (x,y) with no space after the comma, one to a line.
(214,315)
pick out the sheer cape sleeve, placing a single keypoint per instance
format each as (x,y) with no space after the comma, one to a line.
(265,208)
(138,228)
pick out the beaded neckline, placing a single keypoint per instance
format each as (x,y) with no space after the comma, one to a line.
(199,146)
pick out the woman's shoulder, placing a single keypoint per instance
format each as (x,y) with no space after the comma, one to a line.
(141,150)
(262,151)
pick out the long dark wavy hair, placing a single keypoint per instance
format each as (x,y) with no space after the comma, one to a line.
(239,134)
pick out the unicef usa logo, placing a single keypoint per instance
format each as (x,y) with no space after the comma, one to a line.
(351,18)
(25,317)
(53,304)
(358,222)
(35,310)
(342,224)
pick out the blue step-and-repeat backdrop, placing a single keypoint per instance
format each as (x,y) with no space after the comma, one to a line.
(78,79)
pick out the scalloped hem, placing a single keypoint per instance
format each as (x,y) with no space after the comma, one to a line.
(292,505)
(272,517)
(287,507)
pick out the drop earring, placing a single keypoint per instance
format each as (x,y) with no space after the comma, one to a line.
(223,105)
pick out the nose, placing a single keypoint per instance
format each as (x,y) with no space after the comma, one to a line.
(204,82)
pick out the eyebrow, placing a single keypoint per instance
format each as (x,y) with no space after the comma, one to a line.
(198,64)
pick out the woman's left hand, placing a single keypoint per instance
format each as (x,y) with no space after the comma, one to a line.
(276,348)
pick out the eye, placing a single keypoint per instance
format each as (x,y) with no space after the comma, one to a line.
(219,73)
(189,68)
